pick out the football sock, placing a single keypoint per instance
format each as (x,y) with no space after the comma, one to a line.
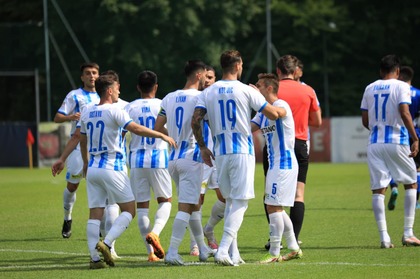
(409,211)
(69,198)
(217,214)
(276,232)
(143,222)
(233,221)
(162,216)
(378,205)
(288,232)
(297,212)
(92,233)
(119,226)
(178,231)
(197,229)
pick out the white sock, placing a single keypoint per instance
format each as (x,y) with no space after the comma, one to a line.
(409,211)
(276,232)
(217,214)
(378,205)
(162,216)
(69,199)
(112,211)
(92,233)
(233,221)
(178,231)
(143,223)
(119,226)
(197,229)
(288,232)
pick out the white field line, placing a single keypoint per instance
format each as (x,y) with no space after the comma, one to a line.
(297,262)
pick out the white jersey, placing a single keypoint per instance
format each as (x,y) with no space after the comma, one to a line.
(178,107)
(382,99)
(75,101)
(103,126)
(229,105)
(146,152)
(280,137)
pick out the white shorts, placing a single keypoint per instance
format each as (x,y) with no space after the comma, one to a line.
(187,175)
(280,187)
(144,179)
(209,178)
(103,184)
(74,167)
(235,174)
(388,161)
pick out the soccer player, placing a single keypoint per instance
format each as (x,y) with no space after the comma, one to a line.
(407,74)
(228,104)
(106,171)
(149,166)
(185,164)
(385,113)
(282,174)
(306,112)
(70,110)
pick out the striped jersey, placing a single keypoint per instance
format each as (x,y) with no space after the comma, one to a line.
(382,99)
(178,108)
(103,126)
(280,138)
(75,101)
(146,152)
(229,105)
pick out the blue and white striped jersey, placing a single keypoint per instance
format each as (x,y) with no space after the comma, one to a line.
(229,105)
(103,126)
(146,152)
(178,107)
(280,138)
(75,101)
(382,99)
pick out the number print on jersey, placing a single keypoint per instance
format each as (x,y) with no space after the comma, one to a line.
(228,113)
(149,122)
(101,125)
(274,189)
(380,101)
(179,117)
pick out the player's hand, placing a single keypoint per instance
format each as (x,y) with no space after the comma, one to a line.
(57,167)
(75,117)
(414,149)
(207,156)
(169,140)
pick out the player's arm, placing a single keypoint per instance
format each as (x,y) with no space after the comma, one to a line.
(196,121)
(408,123)
(365,119)
(146,132)
(160,124)
(84,152)
(315,118)
(273,112)
(60,118)
(58,165)
(254,127)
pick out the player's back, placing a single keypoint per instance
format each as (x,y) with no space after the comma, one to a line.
(178,107)
(382,99)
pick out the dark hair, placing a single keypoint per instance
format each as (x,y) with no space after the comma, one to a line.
(389,63)
(89,65)
(193,66)
(103,82)
(228,59)
(146,80)
(210,68)
(299,64)
(270,80)
(406,73)
(287,64)
(113,74)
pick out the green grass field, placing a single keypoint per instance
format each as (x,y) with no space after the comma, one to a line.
(339,235)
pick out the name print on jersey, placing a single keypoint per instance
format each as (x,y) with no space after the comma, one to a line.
(225,90)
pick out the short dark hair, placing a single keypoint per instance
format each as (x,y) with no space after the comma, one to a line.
(389,63)
(103,82)
(89,65)
(287,64)
(193,66)
(228,59)
(113,74)
(406,73)
(270,79)
(146,80)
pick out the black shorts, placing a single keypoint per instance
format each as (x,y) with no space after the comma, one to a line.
(301,151)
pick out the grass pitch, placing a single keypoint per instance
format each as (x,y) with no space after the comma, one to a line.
(340,238)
